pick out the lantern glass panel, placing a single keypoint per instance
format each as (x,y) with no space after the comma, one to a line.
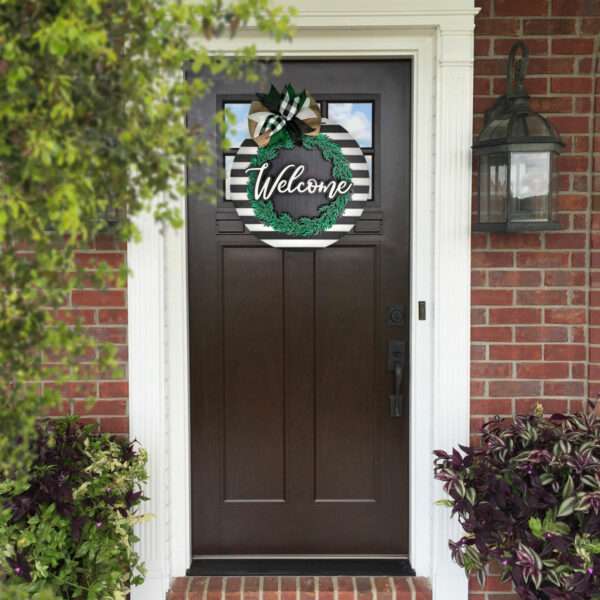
(530,186)
(493,169)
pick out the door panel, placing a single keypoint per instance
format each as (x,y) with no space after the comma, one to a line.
(294,450)
(345,374)
(254,359)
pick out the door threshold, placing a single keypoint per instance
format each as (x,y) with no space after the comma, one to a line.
(237,567)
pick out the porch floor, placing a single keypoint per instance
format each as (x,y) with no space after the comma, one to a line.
(299,588)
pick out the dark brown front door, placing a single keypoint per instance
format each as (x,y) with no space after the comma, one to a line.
(294,447)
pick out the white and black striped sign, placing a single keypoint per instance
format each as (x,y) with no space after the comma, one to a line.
(237,183)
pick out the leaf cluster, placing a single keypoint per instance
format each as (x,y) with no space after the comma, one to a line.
(68,529)
(529,499)
(93,132)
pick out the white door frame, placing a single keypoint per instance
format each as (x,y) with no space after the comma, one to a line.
(439,40)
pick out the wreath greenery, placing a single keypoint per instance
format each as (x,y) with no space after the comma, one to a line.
(329,213)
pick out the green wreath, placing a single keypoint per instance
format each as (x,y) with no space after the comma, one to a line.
(329,213)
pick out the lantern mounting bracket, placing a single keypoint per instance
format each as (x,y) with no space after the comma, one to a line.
(516,70)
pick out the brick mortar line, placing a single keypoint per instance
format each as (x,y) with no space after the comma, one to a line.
(411,586)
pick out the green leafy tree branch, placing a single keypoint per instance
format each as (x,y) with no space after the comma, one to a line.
(92,124)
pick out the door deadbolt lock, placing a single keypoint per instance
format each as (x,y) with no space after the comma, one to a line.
(395,315)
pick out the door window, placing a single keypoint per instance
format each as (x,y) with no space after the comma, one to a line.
(355,117)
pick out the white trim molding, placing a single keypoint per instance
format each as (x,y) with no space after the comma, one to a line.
(437,35)
(452,282)
(147,396)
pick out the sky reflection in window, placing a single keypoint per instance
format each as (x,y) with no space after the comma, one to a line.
(238,132)
(357,118)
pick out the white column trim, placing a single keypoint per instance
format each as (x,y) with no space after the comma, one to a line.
(147,398)
(178,416)
(439,40)
(452,282)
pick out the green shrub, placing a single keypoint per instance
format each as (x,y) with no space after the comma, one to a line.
(68,528)
(93,126)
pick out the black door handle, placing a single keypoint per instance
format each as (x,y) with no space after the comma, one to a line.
(396,399)
(396,351)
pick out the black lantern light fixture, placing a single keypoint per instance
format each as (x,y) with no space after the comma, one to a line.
(517,151)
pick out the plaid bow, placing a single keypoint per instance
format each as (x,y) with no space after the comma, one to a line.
(288,109)
(297,113)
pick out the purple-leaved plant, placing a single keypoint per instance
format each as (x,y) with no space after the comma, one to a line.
(529,498)
(68,527)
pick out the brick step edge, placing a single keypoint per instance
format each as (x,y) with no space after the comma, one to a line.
(300,588)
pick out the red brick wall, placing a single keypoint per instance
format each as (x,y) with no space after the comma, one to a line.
(536,314)
(104,313)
